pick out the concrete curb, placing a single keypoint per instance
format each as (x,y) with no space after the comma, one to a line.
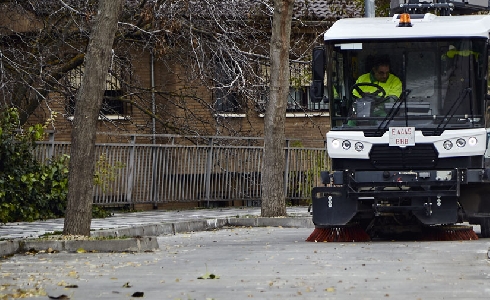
(9,247)
(143,238)
(135,244)
(295,222)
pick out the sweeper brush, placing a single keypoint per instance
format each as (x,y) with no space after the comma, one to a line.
(355,233)
(448,233)
(350,233)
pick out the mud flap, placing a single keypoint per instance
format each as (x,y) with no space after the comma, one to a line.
(475,200)
(331,207)
(437,211)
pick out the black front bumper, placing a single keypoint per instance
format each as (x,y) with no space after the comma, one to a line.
(429,195)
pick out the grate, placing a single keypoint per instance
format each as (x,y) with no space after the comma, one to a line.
(421,156)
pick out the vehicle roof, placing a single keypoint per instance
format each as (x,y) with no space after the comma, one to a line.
(423,26)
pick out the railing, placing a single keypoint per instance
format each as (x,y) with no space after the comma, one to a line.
(185,169)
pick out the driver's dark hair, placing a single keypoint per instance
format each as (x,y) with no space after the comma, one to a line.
(381,60)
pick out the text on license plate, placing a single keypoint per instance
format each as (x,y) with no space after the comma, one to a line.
(402,136)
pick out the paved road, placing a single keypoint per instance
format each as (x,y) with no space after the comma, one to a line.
(261,263)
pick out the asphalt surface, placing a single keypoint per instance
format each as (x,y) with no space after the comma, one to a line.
(256,263)
(231,253)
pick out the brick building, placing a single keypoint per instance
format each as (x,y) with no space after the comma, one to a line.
(148,91)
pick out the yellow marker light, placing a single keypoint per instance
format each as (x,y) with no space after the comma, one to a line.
(405,21)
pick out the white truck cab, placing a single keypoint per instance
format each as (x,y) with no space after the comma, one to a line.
(417,158)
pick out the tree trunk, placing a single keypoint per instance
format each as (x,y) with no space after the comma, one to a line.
(273,195)
(88,102)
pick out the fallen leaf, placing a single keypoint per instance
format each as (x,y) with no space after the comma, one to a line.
(73,274)
(208,276)
(62,283)
(60,297)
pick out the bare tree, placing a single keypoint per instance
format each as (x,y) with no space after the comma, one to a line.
(88,102)
(200,45)
(222,49)
(273,196)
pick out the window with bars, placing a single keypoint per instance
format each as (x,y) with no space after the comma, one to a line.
(226,101)
(299,89)
(111,105)
(226,98)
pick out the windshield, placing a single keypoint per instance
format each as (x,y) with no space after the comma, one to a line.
(430,84)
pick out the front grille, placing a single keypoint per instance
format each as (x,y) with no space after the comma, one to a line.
(420,156)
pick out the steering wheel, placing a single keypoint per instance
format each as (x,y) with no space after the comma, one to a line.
(379,92)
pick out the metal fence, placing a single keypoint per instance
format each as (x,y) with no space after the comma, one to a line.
(187,169)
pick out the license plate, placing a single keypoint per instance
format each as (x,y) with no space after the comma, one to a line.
(402,136)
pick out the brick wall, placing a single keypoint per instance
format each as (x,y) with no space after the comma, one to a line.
(177,112)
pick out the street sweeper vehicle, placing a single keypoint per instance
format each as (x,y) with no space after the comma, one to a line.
(417,158)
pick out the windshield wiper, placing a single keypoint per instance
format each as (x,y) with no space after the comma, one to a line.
(394,111)
(452,110)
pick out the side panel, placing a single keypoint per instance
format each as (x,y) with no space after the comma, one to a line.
(442,210)
(331,207)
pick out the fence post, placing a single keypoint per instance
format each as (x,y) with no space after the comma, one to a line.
(132,150)
(51,146)
(154,187)
(209,167)
(286,168)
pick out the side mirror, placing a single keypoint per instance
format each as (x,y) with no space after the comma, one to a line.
(318,75)
(316,91)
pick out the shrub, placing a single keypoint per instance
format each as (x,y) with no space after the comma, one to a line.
(29,190)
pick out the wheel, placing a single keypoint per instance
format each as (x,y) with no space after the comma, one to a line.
(379,92)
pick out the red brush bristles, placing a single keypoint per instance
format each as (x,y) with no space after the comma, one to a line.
(449,233)
(339,234)
(354,233)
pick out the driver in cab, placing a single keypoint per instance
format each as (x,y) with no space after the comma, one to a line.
(380,75)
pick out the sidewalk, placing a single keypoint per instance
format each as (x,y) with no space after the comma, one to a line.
(19,235)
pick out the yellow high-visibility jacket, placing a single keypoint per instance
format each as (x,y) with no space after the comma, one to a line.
(392,86)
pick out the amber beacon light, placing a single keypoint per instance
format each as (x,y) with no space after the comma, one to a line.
(405,21)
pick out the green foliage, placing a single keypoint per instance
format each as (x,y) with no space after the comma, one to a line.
(303,182)
(105,172)
(29,190)
(382,8)
(100,212)
(319,163)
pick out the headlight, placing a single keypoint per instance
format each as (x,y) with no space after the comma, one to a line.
(460,142)
(336,144)
(448,145)
(346,145)
(472,141)
(359,146)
